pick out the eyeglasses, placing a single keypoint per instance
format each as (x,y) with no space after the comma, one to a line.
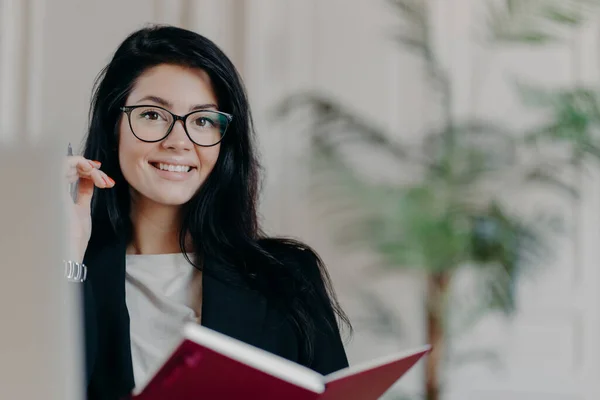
(151,124)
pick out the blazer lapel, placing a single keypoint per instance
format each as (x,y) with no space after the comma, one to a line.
(109,334)
(232,308)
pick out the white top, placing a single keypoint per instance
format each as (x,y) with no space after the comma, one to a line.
(162,292)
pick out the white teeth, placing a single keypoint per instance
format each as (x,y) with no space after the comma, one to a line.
(174,168)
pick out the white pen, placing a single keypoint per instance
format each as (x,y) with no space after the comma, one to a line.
(72,186)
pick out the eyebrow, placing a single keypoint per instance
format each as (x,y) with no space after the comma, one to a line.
(168,104)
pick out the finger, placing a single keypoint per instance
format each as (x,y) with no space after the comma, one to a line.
(73,161)
(81,165)
(109,181)
(84,169)
(99,178)
(85,190)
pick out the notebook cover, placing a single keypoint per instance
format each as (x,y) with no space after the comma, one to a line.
(198,372)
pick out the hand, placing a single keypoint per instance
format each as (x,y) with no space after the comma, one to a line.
(80,220)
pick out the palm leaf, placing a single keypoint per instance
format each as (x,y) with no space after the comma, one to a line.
(535,22)
(413,10)
(553,181)
(477,149)
(574,119)
(332,124)
(413,32)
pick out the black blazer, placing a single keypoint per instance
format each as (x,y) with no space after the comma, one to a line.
(234,310)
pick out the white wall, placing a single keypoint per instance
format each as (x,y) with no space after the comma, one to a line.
(50,52)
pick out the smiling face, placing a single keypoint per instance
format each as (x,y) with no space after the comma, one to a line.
(171,171)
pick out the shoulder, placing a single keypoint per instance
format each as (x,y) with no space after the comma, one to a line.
(302,276)
(297,257)
(311,287)
(307,279)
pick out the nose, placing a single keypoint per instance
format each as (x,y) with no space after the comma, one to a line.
(178,139)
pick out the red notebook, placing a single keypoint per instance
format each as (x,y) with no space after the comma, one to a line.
(210,365)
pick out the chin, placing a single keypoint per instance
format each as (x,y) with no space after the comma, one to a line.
(168,197)
(173,200)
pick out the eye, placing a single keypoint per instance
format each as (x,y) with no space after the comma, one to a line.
(150,115)
(204,122)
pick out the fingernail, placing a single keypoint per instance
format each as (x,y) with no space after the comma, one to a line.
(98,163)
(111,181)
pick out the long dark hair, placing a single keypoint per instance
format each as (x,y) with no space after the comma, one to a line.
(221,218)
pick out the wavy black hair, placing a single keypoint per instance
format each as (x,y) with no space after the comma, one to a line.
(221,218)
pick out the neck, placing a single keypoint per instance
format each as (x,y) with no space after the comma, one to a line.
(155,227)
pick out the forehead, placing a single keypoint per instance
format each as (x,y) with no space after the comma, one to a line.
(180,86)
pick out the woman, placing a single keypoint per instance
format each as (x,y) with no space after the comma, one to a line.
(166,221)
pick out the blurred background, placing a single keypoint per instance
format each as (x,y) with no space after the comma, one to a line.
(441,156)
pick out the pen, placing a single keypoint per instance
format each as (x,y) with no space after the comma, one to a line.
(72,186)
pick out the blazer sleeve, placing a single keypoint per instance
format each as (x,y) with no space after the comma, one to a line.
(89,330)
(328,353)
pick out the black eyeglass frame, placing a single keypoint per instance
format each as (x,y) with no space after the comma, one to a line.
(128,109)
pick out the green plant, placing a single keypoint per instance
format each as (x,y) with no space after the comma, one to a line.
(450,217)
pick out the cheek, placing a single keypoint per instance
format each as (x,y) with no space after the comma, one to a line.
(131,151)
(208,158)
(126,148)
